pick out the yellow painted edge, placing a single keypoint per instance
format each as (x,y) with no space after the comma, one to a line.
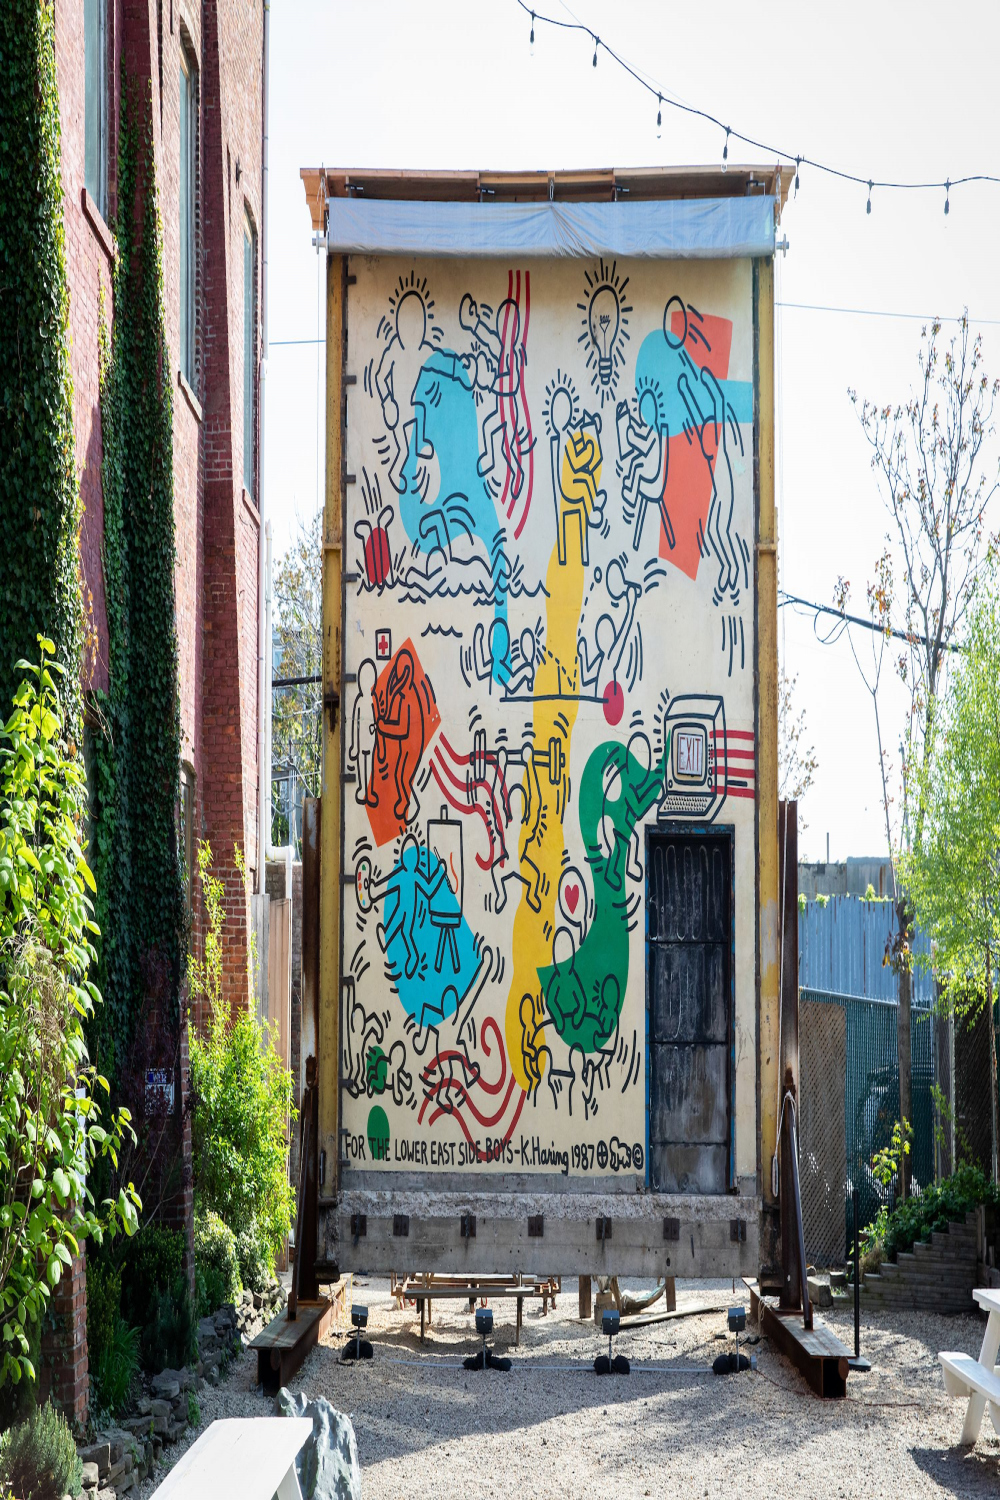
(767,748)
(329,878)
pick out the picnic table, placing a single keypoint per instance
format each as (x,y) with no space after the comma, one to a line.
(428,1288)
(977,1379)
(253,1457)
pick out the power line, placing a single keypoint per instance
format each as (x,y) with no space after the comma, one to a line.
(909,636)
(879,312)
(799,158)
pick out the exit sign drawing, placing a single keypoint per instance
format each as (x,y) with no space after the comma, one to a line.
(690,755)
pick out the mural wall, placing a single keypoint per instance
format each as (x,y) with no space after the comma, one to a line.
(548,641)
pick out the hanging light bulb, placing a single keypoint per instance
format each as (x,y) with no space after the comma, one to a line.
(797,160)
(531,39)
(659,115)
(947,196)
(725,152)
(870,186)
(597,43)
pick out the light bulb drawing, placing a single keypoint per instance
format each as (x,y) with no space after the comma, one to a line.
(605,326)
(603,323)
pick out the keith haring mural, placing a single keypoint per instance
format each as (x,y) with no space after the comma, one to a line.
(548,632)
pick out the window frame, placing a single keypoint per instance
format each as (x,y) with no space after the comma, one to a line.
(188,208)
(249,354)
(96,187)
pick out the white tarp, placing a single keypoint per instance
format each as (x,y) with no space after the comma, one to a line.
(656,229)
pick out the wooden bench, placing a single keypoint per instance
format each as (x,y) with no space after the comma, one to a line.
(253,1457)
(977,1379)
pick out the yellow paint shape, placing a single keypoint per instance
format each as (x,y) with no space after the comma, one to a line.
(541,839)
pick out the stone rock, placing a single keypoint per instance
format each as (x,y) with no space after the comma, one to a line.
(819,1292)
(327,1465)
(212,1374)
(247,1298)
(125,1483)
(139,1427)
(99,1454)
(145,1406)
(161,1422)
(106,1494)
(117,1471)
(159,1408)
(91,1476)
(166,1385)
(157,1446)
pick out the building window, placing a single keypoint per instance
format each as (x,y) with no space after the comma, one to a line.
(185,836)
(188,183)
(249,349)
(95,101)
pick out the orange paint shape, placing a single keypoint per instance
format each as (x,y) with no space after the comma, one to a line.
(717,331)
(688,490)
(409,702)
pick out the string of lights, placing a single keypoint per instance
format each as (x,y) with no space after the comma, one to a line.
(800,159)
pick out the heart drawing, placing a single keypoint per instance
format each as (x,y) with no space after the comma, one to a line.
(572,894)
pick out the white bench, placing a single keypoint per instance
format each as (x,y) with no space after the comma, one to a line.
(977,1380)
(253,1457)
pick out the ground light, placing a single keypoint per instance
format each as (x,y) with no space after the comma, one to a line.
(611,1322)
(486,1360)
(730,1364)
(358,1348)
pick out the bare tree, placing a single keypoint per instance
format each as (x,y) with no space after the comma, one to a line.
(796,760)
(927,456)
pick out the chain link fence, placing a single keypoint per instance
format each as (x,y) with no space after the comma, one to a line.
(849,1102)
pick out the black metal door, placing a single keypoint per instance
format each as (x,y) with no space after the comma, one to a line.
(689,995)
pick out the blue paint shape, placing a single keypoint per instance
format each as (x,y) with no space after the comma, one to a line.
(658,364)
(445,416)
(430,994)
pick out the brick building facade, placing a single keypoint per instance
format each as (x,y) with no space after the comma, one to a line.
(197,66)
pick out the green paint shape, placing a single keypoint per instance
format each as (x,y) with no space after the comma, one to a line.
(377,1070)
(584,994)
(378,1133)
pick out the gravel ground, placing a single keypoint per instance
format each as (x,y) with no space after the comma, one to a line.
(427,1428)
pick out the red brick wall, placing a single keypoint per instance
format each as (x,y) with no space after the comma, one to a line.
(217,526)
(64,1373)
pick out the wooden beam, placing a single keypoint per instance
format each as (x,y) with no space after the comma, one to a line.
(330,829)
(767,733)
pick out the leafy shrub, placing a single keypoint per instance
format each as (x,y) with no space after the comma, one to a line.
(933,1209)
(155,1297)
(255,1266)
(50,1121)
(217,1266)
(112,1344)
(152,1263)
(242,1104)
(168,1339)
(38,1458)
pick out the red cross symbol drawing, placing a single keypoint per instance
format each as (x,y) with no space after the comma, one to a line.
(383,644)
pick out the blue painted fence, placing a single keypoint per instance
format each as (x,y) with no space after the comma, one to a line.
(841,946)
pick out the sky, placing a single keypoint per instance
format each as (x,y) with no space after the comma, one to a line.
(877,90)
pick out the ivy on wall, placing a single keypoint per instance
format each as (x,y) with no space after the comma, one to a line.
(136,743)
(39,494)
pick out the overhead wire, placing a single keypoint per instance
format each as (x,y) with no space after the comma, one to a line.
(798,158)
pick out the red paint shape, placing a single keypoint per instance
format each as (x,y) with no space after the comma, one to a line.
(410,701)
(572,894)
(614,698)
(688,490)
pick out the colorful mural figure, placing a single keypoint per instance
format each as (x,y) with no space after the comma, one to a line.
(534,687)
